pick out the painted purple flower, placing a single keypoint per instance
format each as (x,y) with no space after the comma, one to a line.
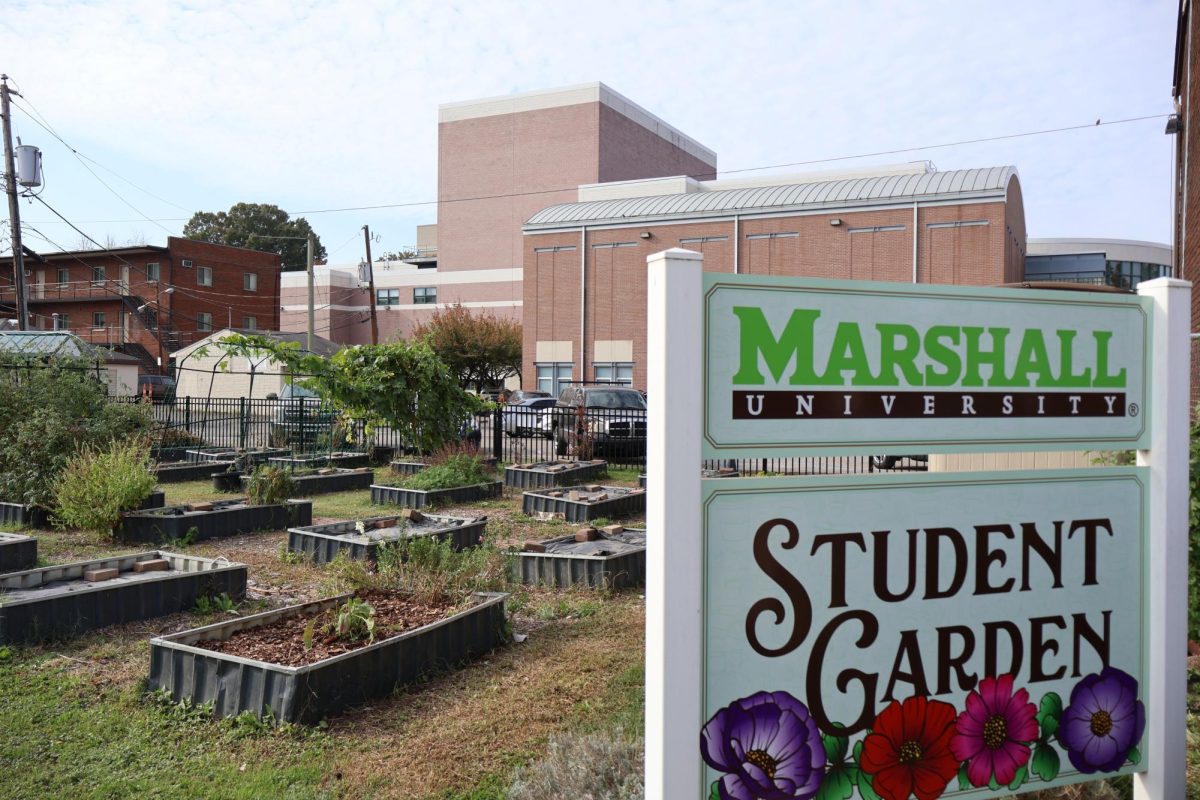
(1104,721)
(994,732)
(768,747)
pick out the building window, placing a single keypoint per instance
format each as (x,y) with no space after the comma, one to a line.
(152,272)
(614,372)
(387,297)
(204,276)
(98,274)
(611,245)
(876,229)
(553,377)
(423,295)
(250,281)
(98,319)
(250,323)
(704,239)
(62,322)
(969,223)
(204,321)
(781,235)
(64,276)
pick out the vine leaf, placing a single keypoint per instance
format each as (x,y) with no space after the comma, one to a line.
(1021,776)
(864,787)
(715,792)
(1045,762)
(964,782)
(1135,756)
(1048,714)
(836,785)
(835,746)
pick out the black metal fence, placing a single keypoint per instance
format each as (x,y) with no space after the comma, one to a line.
(510,434)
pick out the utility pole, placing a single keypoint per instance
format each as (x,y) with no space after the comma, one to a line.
(312,323)
(14,211)
(371,285)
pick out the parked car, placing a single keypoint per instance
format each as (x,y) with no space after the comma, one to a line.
(524,418)
(612,419)
(517,395)
(161,388)
(297,404)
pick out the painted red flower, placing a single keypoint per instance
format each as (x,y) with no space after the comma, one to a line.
(908,751)
(994,733)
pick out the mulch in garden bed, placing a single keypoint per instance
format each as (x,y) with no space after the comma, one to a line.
(282,642)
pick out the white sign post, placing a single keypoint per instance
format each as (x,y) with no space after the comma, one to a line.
(799,631)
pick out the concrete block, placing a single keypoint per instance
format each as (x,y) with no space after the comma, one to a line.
(97,575)
(153,565)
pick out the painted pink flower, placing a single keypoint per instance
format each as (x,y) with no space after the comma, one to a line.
(994,733)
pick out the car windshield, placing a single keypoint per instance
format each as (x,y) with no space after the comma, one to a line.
(612,399)
(292,390)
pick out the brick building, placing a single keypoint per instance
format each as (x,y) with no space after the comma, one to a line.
(585,261)
(149,301)
(500,160)
(1186,121)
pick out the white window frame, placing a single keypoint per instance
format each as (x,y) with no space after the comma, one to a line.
(153,272)
(99,319)
(62,322)
(553,376)
(618,373)
(250,281)
(99,275)
(428,296)
(64,276)
(204,276)
(250,323)
(387,297)
(203,321)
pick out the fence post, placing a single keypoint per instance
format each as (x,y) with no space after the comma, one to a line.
(187,413)
(303,426)
(242,422)
(497,433)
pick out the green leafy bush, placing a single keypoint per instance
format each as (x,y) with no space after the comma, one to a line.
(178,437)
(456,470)
(354,621)
(596,765)
(97,484)
(49,411)
(429,570)
(269,486)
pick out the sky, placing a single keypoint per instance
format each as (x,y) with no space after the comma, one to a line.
(317,107)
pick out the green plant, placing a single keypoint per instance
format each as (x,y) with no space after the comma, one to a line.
(49,411)
(1194,534)
(97,484)
(432,570)
(354,621)
(269,485)
(168,436)
(218,603)
(606,765)
(457,470)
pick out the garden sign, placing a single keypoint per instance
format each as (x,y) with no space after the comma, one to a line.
(941,634)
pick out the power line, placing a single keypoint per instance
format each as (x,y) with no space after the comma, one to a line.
(811,162)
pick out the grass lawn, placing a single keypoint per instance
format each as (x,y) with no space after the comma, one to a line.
(76,721)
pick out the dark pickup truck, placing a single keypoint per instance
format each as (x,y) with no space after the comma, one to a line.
(609,419)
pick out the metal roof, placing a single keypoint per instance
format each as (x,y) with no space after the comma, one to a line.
(959,184)
(47,343)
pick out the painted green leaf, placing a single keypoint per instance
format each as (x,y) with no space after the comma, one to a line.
(993,785)
(1135,756)
(858,746)
(835,746)
(1045,762)
(836,785)
(964,782)
(1021,776)
(864,787)
(715,793)
(1049,712)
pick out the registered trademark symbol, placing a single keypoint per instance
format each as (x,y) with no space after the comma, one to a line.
(1133,409)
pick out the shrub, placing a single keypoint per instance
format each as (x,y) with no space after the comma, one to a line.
(585,767)
(49,411)
(457,470)
(178,437)
(430,570)
(97,484)
(269,485)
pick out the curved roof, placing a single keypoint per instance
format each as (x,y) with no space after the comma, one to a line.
(959,184)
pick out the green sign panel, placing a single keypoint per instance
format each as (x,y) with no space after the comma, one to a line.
(803,367)
(933,635)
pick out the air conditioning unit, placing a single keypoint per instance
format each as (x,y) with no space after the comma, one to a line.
(186,263)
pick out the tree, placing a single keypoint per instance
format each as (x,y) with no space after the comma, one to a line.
(257,226)
(402,385)
(480,350)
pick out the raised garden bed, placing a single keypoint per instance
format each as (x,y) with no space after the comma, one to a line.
(211,520)
(553,473)
(611,558)
(319,460)
(416,498)
(326,481)
(168,454)
(228,480)
(181,471)
(322,543)
(61,601)
(583,503)
(723,472)
(186,666)
(17,552)
(260,456)
(18,514)
(407,467)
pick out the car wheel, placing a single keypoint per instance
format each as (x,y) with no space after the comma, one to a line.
(884,462)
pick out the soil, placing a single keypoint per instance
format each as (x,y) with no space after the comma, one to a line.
(282,642)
